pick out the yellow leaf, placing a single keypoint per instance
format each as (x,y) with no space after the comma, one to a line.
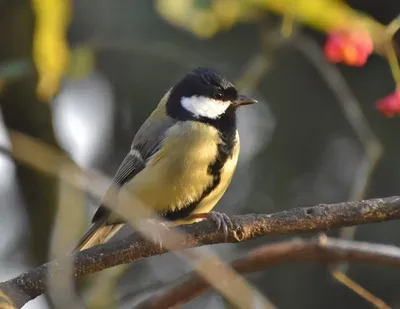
(323,15)
(227,11)
(50,47)
(204,24)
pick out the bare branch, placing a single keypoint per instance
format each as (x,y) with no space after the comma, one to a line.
(31,284)
(329,250)
(205,262)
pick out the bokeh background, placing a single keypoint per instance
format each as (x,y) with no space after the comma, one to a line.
(309,140)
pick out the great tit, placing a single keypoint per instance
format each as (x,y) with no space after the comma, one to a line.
(182,159)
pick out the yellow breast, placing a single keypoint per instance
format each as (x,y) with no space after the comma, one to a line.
(178,174)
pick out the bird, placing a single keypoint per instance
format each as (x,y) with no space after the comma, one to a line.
(182,158)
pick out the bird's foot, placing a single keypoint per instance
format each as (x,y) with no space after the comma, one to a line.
(220,219)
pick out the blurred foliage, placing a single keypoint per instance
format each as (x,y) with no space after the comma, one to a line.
(207,18)
(82,62)
(313,153)
(204,18)
(50,48)
(23,112)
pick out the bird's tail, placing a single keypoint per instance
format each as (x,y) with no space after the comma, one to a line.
(97,234)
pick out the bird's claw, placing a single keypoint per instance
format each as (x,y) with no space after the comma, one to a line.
(222,221)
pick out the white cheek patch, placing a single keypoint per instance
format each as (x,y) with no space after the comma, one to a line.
(205,107)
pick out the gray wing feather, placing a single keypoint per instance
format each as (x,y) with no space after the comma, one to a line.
(129,167)
(150,136)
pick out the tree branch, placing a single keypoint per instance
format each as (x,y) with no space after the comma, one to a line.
(31,284)
(325,250)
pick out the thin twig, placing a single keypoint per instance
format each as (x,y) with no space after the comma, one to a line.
(330,250)
(353,113)
(317,218)
(349,104)
(355,287)
(61,285)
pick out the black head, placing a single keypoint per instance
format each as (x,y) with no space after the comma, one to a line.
(203,94)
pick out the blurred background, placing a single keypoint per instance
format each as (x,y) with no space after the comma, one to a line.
(315,137)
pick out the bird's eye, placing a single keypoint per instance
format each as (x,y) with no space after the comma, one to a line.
(218,95)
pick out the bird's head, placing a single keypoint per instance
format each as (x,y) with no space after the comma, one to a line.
(204,94)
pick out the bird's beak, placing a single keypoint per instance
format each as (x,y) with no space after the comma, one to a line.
(243,100)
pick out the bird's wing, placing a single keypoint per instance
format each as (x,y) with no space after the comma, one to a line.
(145,144)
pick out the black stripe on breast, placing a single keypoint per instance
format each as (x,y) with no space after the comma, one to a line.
(226,127)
